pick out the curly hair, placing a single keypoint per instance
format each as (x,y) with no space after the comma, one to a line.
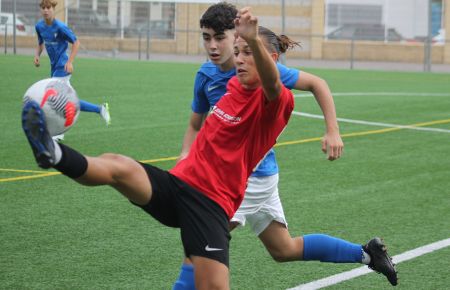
(219,17)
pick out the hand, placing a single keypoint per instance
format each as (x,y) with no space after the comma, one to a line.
(37,61)
(333,145)
(246,24)
(68,67)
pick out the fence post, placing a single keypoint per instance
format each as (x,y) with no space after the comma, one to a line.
(427,44)
(14,26)
(148,40)
(352,51)
(6,38)
(283,28)
(139,43)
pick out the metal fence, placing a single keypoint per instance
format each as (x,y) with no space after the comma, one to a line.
(333,30)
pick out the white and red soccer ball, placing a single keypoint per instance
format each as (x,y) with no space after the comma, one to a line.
(59,102)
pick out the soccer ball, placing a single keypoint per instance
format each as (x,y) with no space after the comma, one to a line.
(59,102)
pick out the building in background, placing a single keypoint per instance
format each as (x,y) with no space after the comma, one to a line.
(406,18)
(371,30)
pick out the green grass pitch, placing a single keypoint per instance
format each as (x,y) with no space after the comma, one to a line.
(393,183)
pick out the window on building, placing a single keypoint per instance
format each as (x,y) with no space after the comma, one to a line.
(153,19)
(342,14)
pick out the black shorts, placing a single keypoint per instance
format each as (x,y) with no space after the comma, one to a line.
(202,222)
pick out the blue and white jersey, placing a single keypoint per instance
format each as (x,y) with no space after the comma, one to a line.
(211,84)
(56,38)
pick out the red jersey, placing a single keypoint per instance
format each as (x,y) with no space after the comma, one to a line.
(242,127)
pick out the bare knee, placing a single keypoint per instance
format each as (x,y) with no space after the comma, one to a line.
(117,164)
(281,255)
(105,169)
(288,251)
(112,157)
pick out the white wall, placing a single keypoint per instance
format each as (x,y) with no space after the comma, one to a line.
(408,17)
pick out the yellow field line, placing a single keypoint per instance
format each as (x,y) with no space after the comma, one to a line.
(380,131)
(159,159)
(431,123)
(20,170)
(46,174)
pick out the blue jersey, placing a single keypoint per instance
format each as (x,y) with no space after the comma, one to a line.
(211,84)
(56,38)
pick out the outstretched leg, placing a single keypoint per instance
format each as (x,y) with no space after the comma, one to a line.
(121,172)
(131,179)
(279,243)
(324,248)
(317,247)
(102,110)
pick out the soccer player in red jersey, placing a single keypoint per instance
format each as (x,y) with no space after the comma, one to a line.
(202,192)
(261,207)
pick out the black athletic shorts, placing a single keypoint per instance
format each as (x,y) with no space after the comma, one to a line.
(203,223)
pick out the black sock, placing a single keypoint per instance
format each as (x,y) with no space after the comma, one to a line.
(72,163)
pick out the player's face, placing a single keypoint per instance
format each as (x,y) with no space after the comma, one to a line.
(245,65)
(219,47)
(48,13)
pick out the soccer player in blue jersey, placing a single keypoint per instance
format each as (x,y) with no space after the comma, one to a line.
(56,36)
(261,207)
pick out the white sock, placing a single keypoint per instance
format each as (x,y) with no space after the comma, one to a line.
(365,258)
(58,152)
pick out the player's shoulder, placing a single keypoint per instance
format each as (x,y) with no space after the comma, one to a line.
(208,69)
(281,67)
(59,23)
(212,71)
(234,86)
(40,24)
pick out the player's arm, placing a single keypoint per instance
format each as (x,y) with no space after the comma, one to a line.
(195,123)
(69,66)
(37,54)
(247,28)
(39,49)
(332,141)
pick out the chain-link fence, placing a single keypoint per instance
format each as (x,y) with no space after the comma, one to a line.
(409,31)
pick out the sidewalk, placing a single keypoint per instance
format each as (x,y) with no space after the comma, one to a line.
(368,65)
(302,63)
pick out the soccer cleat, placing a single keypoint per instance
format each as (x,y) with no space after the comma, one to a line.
(35,128)
(380,260)
(104,112)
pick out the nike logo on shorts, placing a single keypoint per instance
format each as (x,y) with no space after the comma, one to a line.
(208,249)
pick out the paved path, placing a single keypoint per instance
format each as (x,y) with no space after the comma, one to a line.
(307,63)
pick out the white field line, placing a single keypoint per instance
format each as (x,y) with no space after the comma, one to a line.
(335,279)
(373,123)
(399,94)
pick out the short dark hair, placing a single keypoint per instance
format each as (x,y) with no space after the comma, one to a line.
(219,17)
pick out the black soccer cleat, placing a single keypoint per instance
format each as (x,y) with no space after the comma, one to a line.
(35,128)
(380,260)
